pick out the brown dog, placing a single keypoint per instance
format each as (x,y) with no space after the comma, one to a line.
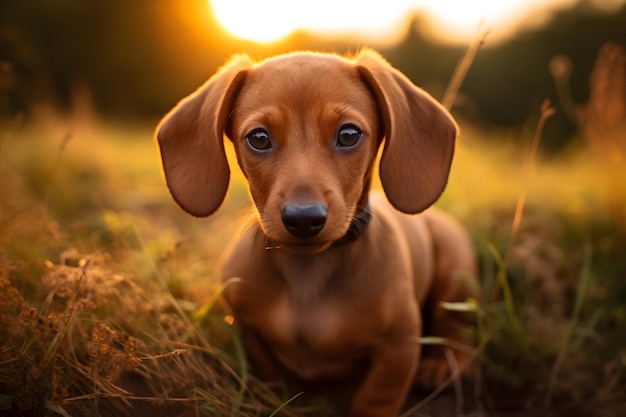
(333,282)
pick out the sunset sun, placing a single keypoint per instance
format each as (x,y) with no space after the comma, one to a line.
(271,20)
(379,22)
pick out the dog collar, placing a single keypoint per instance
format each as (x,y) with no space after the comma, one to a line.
(360,221)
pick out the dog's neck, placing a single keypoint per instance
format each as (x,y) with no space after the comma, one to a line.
(360,221)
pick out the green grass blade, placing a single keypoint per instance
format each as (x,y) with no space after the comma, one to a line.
(283,405)
(581,291)
(506,288)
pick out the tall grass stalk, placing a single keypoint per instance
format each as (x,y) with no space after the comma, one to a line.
(452,90)
(547,111)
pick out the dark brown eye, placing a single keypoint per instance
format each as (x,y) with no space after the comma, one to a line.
(348,136)
(259,140)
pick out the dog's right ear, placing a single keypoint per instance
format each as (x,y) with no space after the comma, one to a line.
(191,141)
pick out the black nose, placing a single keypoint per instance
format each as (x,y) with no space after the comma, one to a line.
(304,221)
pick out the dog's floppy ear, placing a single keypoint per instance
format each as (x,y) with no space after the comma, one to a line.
(419,136)
(191,141)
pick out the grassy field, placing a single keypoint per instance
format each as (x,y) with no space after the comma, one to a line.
(108,290)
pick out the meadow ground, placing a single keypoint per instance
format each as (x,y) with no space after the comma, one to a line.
(108,290)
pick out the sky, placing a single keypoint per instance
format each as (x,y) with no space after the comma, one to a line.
(385,22)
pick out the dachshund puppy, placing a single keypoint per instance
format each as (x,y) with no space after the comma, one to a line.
(334,283)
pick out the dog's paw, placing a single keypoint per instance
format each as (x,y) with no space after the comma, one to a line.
(433,372)
(437,369)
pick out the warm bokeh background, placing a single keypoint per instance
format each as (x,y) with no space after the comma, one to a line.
(134,59)
(108,290)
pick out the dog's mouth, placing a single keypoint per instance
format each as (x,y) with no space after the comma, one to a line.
(304,247)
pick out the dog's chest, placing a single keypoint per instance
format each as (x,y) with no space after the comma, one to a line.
(312,340)
(314,326)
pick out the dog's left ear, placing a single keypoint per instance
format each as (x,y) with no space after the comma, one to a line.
(419,136)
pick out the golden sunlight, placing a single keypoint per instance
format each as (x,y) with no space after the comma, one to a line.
(270,20)
(451,21)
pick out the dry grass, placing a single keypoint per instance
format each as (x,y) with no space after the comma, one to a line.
(109,329)
(107,290)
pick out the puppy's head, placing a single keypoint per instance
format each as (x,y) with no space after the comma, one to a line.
(306,128)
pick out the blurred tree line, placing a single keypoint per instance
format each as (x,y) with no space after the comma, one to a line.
(137,58)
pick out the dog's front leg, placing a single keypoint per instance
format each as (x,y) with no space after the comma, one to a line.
(261,360)
(388,381)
